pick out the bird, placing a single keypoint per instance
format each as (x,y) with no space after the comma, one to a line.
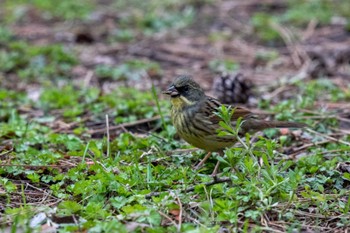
(194,116)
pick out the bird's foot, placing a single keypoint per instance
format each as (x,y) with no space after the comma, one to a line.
(215,171)
(200,164)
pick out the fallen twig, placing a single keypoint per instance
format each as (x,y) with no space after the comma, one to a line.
(124,125)
(328,137)
(306,146)
(180,214)
(190,189)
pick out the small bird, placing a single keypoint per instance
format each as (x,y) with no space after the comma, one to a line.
(193,115)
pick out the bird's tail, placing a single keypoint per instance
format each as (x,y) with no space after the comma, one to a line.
(257,125)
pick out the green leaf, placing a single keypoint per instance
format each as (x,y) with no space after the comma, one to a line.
(346,176)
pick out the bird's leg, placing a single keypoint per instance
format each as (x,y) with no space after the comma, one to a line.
(215,171)
(203,161)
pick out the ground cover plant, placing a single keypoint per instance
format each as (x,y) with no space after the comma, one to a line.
(87,145)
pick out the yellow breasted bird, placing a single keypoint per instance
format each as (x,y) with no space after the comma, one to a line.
(193,115)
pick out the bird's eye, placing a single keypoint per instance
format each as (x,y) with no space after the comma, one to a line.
(183,88)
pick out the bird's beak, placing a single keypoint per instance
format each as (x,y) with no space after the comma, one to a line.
(171,91)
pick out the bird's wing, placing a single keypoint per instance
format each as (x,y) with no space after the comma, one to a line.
(210,107)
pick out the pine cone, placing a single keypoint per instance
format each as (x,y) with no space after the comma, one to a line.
(232,88)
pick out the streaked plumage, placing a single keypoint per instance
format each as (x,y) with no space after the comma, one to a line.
(192,114)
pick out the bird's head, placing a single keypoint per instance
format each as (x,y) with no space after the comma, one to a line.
(184,91)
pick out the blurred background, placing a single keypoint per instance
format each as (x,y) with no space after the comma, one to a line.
(135,43)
